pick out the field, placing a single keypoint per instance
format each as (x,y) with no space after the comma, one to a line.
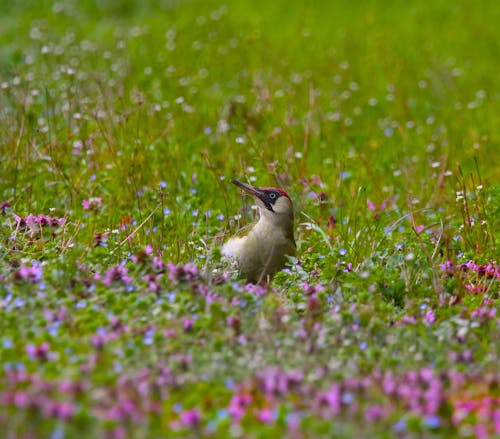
(121,126)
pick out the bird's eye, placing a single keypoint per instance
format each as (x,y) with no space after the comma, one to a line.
(272,195)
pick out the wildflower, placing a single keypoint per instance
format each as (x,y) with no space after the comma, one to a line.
(188,324)
(429,317)
(256,290)
(234,322)
(34,222)
(63,410)
(332,399)
(93,203)
(311,289)
(265,415)
(238,404)
(419,229)
(118,273)
(28,274)
(4,205)
(374,413)
(38,352)
(190,418)
(142,254)
(179,273)
(21,399)
(100,239)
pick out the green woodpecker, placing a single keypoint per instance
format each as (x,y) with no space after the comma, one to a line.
(261,249)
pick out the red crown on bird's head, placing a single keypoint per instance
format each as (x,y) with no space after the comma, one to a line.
(276,189)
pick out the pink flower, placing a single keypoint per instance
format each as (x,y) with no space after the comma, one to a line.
(64,410)
(256,290)
(93,203)
(31,274)
(419,229)
(374,413)
(265,415)
(118,273)
(190,418)
(188,324)
(496,420)
(429,317)
(332,399)
(38,352)
(311,289)
(21,399)
(4,205)
(179,273)
(38,221)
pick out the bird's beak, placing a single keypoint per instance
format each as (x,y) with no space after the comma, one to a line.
(249,189)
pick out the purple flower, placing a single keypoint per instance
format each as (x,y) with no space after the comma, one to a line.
(256,290)
(332,399)
(266,415)
(238,404)
(190,418)
(188,324)
(419,229)
(429,317)
(21,399)
(35,221)
(374,413)
(179,273)
(31,274)
(311,289)
(118,273)
(64,410)
(93,203)
(40,352)
(4,205)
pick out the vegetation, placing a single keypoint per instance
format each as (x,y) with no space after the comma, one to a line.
(122,123)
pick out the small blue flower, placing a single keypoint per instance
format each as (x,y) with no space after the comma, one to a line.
(400,426)
(57,433)
(432,421)
(347,398)
(388,132)
(222,414)
(81,304)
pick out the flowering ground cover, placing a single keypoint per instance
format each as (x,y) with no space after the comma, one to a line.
(121,126)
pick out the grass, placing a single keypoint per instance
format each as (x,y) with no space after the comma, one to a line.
(122,124)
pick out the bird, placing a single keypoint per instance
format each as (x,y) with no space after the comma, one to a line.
(262,248)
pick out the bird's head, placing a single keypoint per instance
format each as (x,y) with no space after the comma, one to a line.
(273,203)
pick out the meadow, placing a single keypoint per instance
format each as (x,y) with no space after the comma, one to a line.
(121,126)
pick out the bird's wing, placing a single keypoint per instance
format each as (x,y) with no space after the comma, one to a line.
(245,230)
